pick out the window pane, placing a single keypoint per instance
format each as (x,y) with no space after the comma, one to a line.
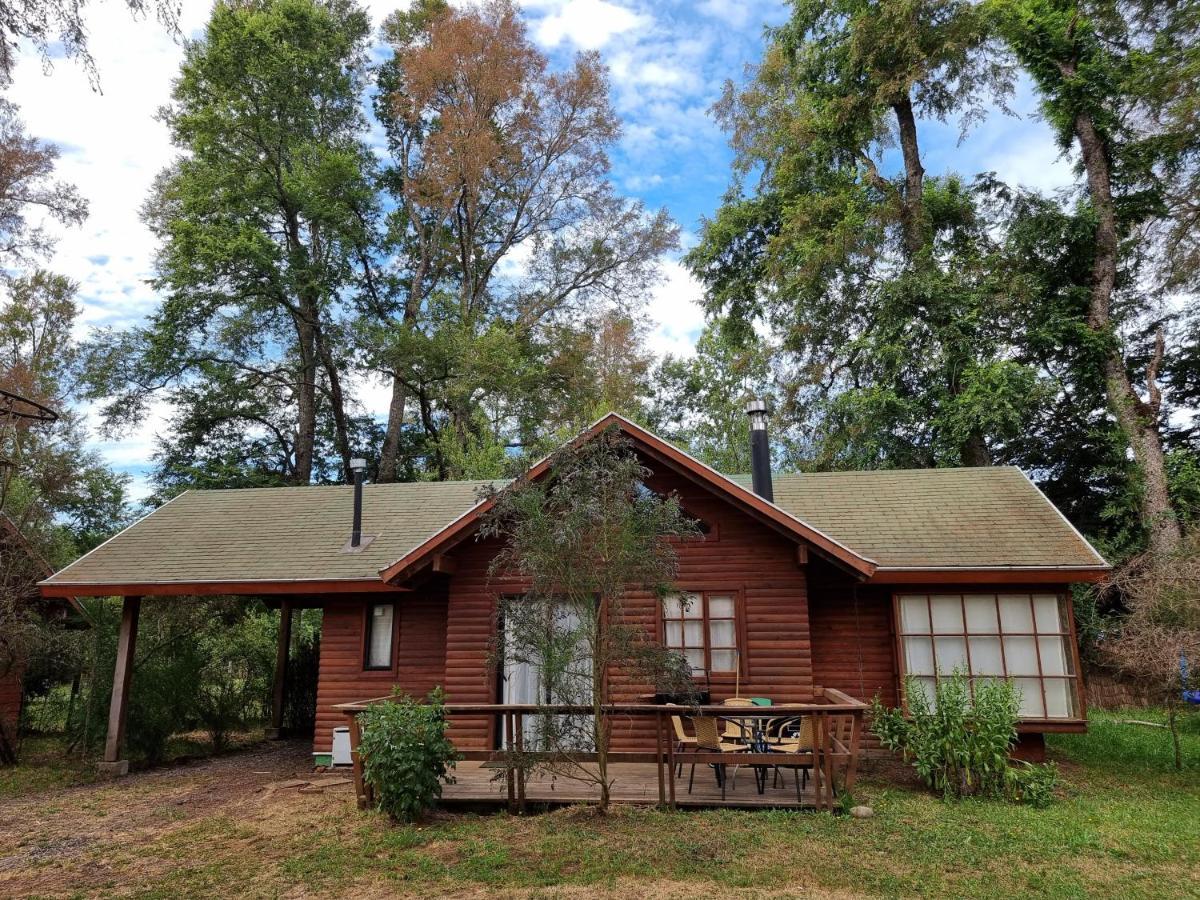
(1015,614)
(693,606)
(379,653)
(724,660)
(981,614)
(1031,697)
(985,656)
(693,634)
(1060,698)
(925,686)
(1045,610)
(914,615)
(1021,655)
(674,634)
(918,656)
(947,614)
(720,607)
(672,607)
(696,659)
(951,654)
(721,633)
(1054,656)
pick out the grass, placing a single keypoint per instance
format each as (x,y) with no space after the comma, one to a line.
(1126,825)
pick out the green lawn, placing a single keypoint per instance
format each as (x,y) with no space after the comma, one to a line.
(1126,825)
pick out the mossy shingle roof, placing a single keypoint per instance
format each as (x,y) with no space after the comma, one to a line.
(929,518)
(935,518)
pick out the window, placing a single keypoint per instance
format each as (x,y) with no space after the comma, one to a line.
(1025,637)
(703,626)
(380,618)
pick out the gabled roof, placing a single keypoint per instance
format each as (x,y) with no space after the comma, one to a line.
(278,540)
(879,524)
(930,519)
(731,490)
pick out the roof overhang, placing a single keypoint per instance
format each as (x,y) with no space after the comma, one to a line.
(988,574)
(298,587)
(675,459)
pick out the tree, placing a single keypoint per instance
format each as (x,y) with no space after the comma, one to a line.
(60,24)
(878,287)
(266,221)
(1159,636)
(582,538)
(1096,68)
(700,400)
(508,233)
(27,185)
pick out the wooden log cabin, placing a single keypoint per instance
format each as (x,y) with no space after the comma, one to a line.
(799,583)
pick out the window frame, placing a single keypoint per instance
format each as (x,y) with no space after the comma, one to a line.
(368,620)
(739,629)
(1062,597)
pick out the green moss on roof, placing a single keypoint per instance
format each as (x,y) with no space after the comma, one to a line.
(898,518)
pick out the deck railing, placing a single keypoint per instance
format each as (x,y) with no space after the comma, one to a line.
(837,720)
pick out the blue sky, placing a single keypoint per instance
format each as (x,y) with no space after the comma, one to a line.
(668,61)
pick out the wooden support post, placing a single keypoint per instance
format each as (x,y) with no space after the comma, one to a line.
(360,787)
(118,709)
(828,751)
(519,737)
(670,765)
(510,748)
(275,732)
(852,765)
(660,759)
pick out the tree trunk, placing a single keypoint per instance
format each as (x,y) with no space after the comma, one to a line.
(912,205)
(337,402)
(975,451)
(1138,418)
(306,404)
(389,456)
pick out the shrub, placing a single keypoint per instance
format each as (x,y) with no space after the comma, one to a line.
(406,754)
(960,746)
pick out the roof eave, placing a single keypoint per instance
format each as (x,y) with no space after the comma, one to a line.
(249,588)
(756,505)
(993,574)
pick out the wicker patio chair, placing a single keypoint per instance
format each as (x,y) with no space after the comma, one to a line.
(708,739)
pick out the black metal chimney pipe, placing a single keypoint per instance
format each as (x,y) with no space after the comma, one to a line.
(760,450)
(359,467)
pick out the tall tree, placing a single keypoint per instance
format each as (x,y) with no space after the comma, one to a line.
(877,284)
(583,538)
(1100,82)
(506,227)
(266,224)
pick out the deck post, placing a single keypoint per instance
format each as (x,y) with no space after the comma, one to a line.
(510,748)
(519,740)
(118,709)
(670,766)
(852,764)
(275,732)
(829,761)
(660,759)
(360,789)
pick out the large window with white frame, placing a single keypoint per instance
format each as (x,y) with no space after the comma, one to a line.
(380,636)
(1022,636)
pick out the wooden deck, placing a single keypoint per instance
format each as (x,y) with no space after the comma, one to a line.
(479,784)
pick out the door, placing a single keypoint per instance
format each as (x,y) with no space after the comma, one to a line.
(523,682)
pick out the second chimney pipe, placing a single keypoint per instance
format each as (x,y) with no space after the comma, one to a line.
(760,450)
(359,467)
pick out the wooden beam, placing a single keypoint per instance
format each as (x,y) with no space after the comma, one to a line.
(444,564)
(802,554)
(275,732)
(118,709)
(219,588)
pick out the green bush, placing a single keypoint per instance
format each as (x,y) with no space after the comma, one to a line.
(406,754)
(960,745)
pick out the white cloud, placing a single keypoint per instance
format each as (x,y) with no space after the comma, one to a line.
(675,312)
(589,24)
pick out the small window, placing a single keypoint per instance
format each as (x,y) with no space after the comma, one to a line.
(702,625)
(380,618)
(1025,637)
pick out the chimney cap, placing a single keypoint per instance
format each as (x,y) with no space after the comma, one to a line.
(358,465)
(756,407)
